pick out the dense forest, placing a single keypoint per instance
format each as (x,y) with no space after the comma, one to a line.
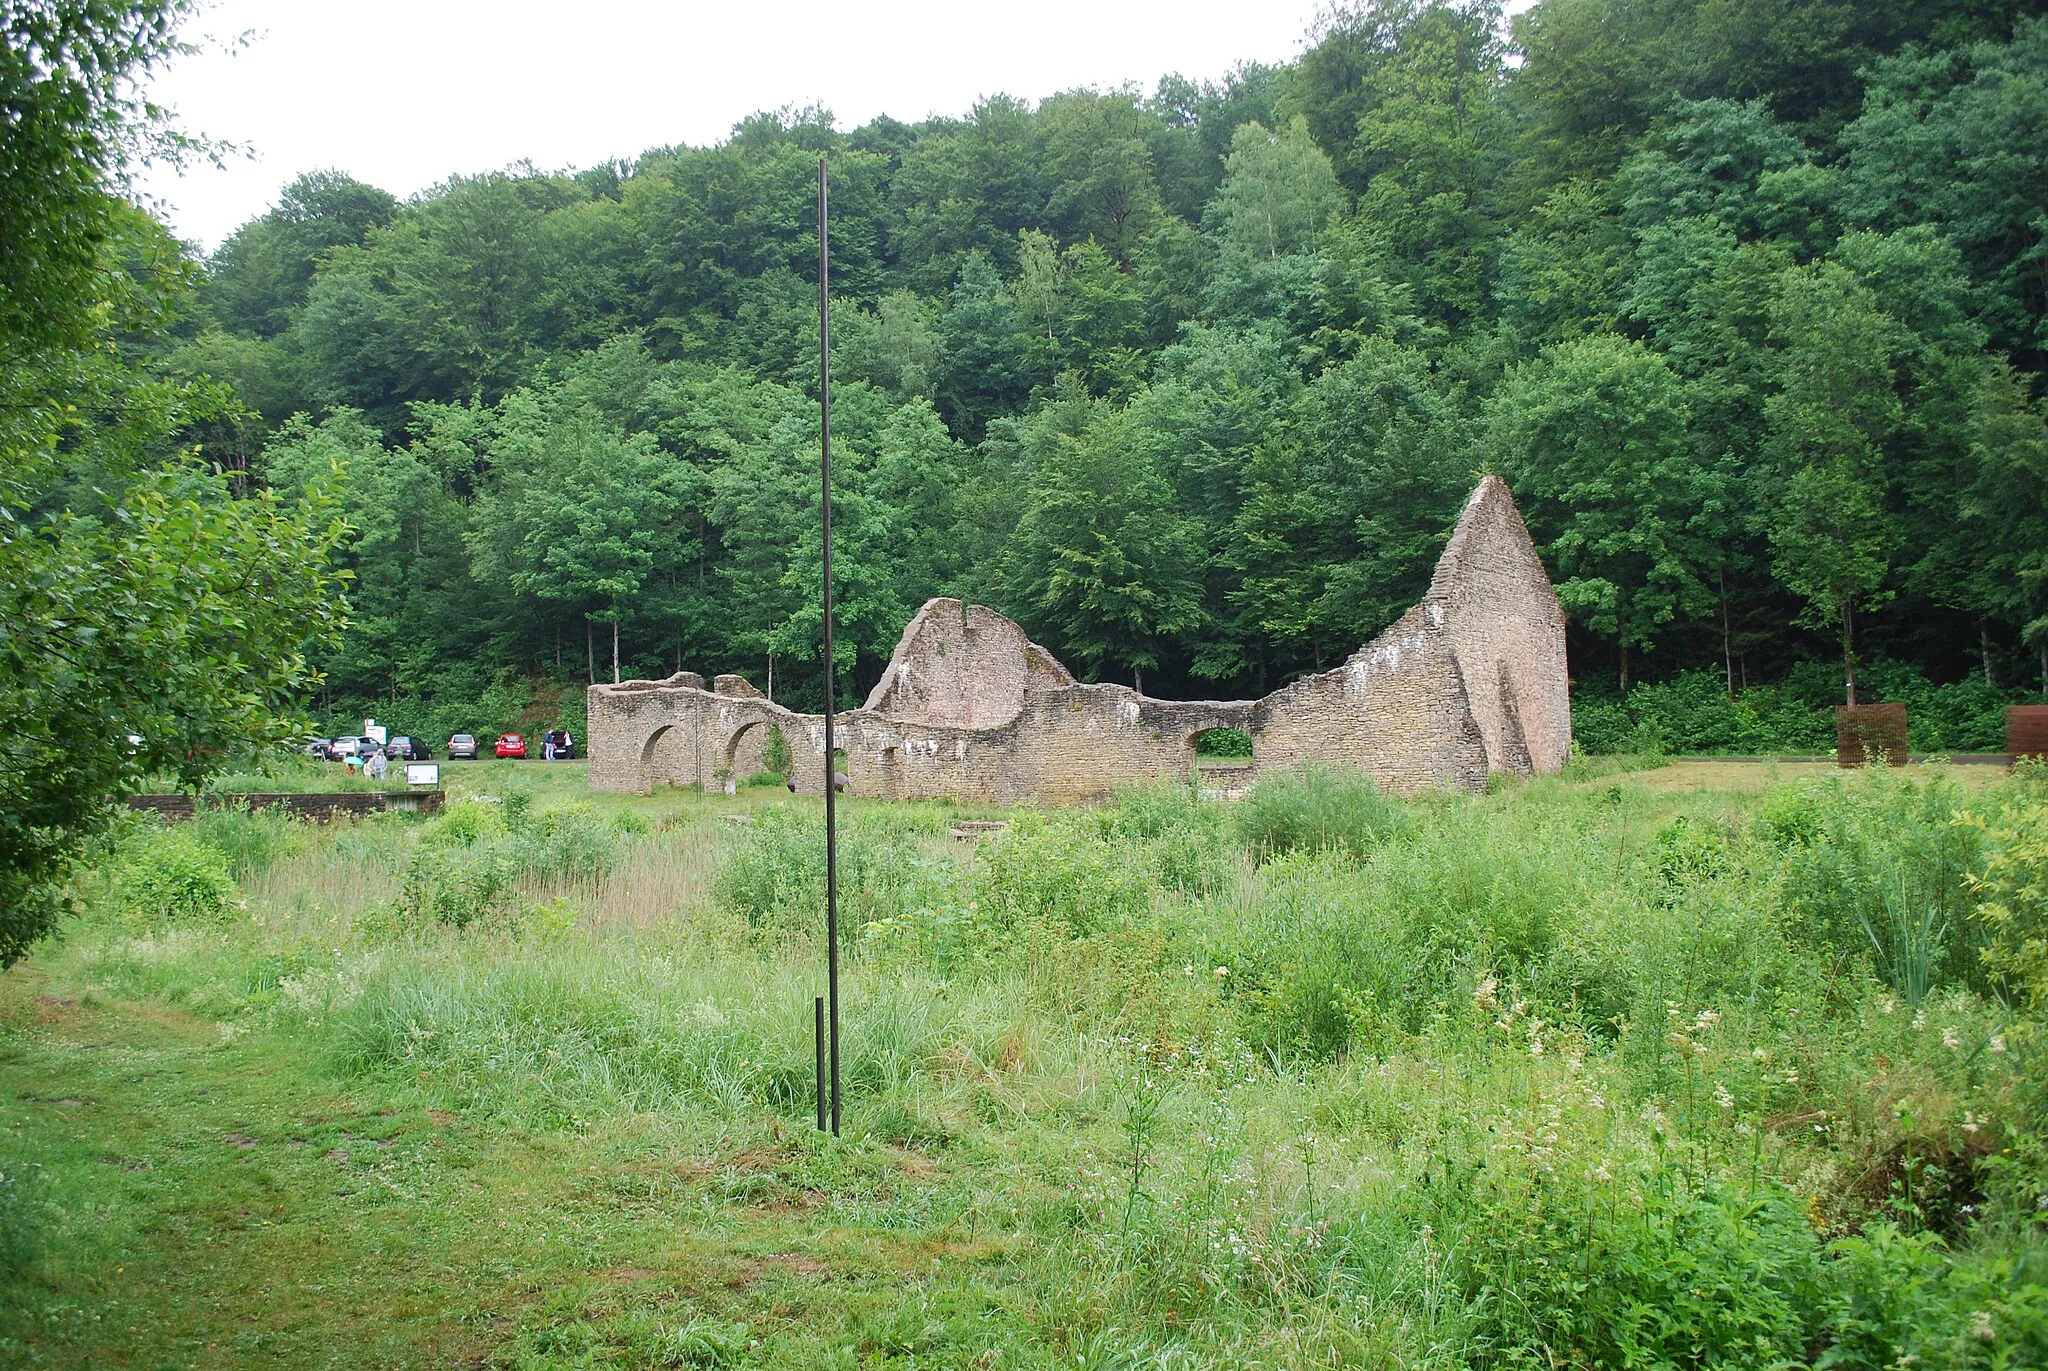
(1748,300)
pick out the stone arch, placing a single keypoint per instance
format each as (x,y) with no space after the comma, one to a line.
(647,750)
(745,749)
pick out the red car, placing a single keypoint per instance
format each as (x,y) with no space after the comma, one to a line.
(511,745)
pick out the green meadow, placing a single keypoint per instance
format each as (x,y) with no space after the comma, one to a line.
(1676,1067)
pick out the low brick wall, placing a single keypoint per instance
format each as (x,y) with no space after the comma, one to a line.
(1863,733)
(317,807)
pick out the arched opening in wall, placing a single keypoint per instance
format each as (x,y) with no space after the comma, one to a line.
(892,773)
(757,754)
(649,776)
(1223,745)
(1220,762)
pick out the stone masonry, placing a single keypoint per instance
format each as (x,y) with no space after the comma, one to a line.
(1469,682)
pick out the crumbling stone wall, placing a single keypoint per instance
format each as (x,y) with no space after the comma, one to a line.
(1469,682)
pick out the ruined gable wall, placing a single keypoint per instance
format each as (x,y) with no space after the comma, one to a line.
(963,666)
(1507,632)
(1398,709)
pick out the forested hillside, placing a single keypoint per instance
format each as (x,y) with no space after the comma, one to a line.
(1747,299)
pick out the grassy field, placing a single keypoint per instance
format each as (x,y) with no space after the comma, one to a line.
(1680,1067)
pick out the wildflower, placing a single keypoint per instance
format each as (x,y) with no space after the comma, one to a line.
(1188,969)
(1997,1043)
(1919,1018)
(1887,1005)
(1536,1047)
(1970,1121)
(1951,1040)
(1980,1326)
(1221,972)
(1722,1097)
(1706,1020)
(1483,994)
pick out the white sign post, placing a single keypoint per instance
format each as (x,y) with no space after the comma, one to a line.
(374,730)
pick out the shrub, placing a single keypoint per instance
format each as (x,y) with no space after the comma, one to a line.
(775,875)
(251,840)
(1177,835)
(1876,869)
(473,861)
(1232,743)
(1319,810)
(170,877)
(1694,1273)
(1061,875)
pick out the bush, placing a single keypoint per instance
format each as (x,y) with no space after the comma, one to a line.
(1696,1273)
(474,860)
(1178,836)
(251,840)
(1877,869)
(170,877)
(1692,714)
(1060,876)
(1319,810)
(775,876)
(1224,744)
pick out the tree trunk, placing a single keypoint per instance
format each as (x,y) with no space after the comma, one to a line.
(615,649)
(1138,679)
(771,678)
(1849,651)
(1984,646)
(1727,648)
(590,648)
(2044,669)
(1621,637)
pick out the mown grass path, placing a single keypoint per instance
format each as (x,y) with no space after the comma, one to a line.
(220,1203)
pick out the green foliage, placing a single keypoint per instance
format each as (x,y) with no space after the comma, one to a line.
(1743,299)
(1691,1275)
(477,863)
(1319,809)
(1881,871)
(775,876)
(174,877)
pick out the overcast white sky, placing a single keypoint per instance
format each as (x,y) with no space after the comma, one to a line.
(402,93)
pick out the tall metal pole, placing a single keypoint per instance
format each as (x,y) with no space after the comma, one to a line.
(831,763)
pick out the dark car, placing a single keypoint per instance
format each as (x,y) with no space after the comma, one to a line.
(406,749)
(462,745)
(565,748)
(317,747)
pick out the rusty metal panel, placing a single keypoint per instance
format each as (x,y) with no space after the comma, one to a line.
(1864,733)
(2026,731)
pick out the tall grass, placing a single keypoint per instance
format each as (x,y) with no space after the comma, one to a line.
(1575,1073)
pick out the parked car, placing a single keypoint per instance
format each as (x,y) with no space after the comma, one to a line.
(350,746)
(462,745)
(511,745)
(317,747)
(565,749)
(407,749)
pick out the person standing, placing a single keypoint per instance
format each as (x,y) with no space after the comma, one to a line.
(547,746)
(376,766)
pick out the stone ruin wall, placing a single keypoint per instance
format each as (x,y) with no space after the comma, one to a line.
(1469,682)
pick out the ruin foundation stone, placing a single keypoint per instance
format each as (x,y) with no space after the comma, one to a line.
(1469,682)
